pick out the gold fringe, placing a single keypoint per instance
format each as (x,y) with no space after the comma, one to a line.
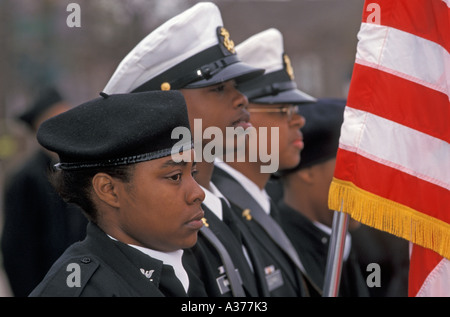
(389,216)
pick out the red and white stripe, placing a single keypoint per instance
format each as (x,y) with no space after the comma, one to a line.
(395,140)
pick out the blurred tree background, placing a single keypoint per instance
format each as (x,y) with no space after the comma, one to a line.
(37,49)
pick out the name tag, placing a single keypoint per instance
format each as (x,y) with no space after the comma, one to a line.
(274,278)
(223,283)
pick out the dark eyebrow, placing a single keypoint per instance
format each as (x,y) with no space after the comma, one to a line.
(171,163)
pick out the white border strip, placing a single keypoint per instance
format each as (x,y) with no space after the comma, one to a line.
(397,146)
(404,55)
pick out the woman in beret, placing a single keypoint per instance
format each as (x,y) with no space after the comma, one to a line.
(143,206)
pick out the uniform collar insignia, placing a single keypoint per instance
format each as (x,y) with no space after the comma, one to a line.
(147,273)
(247,214)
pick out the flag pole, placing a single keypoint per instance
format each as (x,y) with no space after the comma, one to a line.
(333,268)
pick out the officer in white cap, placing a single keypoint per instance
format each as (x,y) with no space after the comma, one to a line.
(304,212)
(191,50)
(274,100)
(194,53)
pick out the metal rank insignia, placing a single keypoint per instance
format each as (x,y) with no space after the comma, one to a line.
(148,273)
(204,222)
(225,41)
(288,66)
(165,86)
(246,214)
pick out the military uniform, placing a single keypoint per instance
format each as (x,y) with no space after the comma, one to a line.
(281,274)
(311,240)
(193,50)
(280,264)
(212,270)
(111,268)
(312,245)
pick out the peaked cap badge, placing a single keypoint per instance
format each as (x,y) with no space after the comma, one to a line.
(288,66)
(224,39)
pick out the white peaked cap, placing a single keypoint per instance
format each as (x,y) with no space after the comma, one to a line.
(266,50)
(175,53)
(263,50)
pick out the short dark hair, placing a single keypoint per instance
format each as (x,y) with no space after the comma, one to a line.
(76,186)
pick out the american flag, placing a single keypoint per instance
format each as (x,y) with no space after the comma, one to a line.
(393,163)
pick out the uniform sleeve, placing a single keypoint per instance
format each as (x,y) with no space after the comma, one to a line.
(70,277)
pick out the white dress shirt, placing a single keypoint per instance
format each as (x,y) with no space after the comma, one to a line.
(212,201)
(260,195)
(169,258)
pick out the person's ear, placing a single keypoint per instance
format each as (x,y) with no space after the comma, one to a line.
(106,187)
(306,175)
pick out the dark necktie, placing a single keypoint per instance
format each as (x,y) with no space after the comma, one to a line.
(272,228)
(230,269)
(229,220)
(244,236)
(169,284)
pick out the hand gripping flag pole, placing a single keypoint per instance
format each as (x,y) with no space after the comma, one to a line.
(333,268)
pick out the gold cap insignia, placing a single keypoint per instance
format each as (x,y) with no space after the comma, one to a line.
(227,42)
(246,214)
(165,86)
(288,66)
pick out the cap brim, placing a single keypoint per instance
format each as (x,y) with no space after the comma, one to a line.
(293,96)
(239,71)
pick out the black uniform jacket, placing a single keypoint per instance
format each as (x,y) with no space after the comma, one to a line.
(210,268)
(111,268)
(38,225)
(312,244)
(280,274)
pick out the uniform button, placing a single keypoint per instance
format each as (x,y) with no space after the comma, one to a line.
(85,260)
(324,240)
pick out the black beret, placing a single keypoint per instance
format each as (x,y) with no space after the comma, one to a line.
(46,99)
(116,130)
(321,131)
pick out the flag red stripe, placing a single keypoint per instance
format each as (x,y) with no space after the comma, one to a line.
(422,262)
(415,105)
(399,100)
(428,19)
(393,184)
